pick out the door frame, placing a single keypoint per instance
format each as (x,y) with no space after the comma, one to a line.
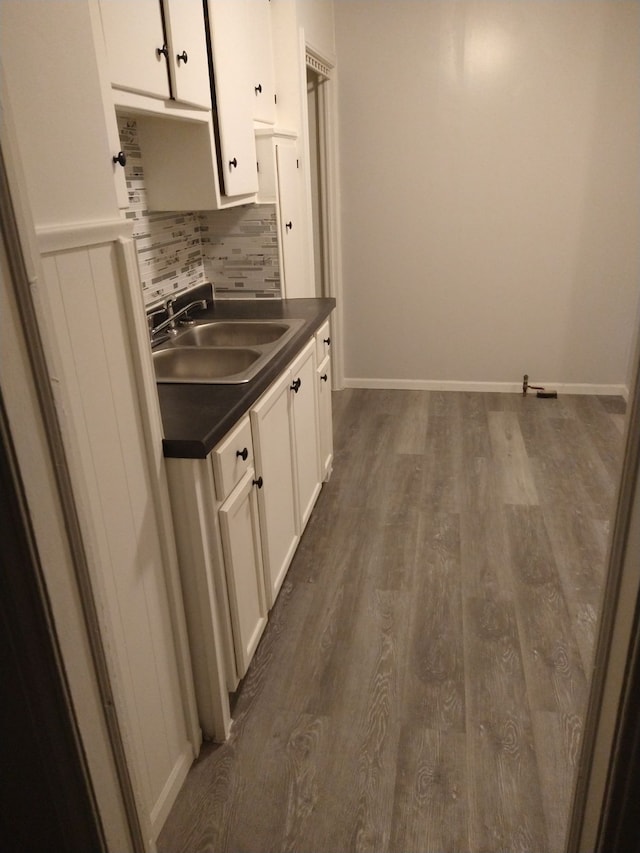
(604,809)
(42,756)
(330,190)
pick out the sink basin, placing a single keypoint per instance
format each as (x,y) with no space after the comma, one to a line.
(219,352)
(205,365)
(233,333)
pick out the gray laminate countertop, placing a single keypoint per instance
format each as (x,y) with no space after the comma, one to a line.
(196,417)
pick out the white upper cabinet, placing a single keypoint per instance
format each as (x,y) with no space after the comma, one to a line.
(292,226)
(261,56)
(133,35)
(187,47)
(147,55)
(230,45)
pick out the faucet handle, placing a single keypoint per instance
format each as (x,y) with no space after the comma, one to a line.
(150,318)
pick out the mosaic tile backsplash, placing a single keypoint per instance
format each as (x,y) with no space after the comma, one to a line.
(240,251)
(234,249)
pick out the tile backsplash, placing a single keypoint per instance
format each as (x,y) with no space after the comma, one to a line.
(236,249)
(240,251)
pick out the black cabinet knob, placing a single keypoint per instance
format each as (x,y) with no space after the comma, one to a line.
(162,51)
(288,225)
(327,341)
(120,158)
(243,454)
(324,377)
(258,482)
(182,56)
(258,89)
(295,385)
(233,164)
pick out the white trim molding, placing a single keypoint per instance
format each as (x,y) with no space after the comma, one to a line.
(486,387)
(76,235)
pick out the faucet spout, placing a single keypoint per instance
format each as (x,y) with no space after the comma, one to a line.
(169,325)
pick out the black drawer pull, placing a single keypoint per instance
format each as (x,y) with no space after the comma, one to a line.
(182,56)
(233,164)
(162,51)
(295,385)
(120,158)
(327,341)
(243,454)
(288,226)
(324,377)
(258,482)
(258,89)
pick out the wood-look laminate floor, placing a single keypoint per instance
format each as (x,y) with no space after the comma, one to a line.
(422,682)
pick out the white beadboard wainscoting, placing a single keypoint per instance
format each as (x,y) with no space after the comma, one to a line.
(111,428)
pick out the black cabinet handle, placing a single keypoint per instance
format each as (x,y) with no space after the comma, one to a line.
(258,89)
(295,385)
(288,225)
(324,377)
(243,454)
(258,482)
(327,341)
(233,163)
(120,158)
(162,51)
(182,56)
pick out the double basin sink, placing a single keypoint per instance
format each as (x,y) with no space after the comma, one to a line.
(219,352)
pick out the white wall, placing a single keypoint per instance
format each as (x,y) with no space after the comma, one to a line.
(490,176)
(316,17)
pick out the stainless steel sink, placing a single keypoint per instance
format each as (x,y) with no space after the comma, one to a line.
(219,352)
(233,333)
(205,364)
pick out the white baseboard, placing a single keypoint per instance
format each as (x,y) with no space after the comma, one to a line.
(494,387)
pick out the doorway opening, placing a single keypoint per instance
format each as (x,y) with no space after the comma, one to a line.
(317,161)
(322,188)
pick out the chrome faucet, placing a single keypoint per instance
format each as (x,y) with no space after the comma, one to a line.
(169,325)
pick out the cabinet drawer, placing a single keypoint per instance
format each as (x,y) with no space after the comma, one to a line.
(232,458)
(323,341)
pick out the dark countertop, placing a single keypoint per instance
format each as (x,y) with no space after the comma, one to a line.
(196,417)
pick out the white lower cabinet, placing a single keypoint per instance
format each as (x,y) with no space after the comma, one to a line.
(325,411)
(325,417)
(306,449)
(238,517)
(271,428)
(243,569)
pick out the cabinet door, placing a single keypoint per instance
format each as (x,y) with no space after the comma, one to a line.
(187,47)
(228,29)
(305,433)
(292,234)
(262,84)
(325,417)
(133,34)
(243,568)
(323,341)
(272,444)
